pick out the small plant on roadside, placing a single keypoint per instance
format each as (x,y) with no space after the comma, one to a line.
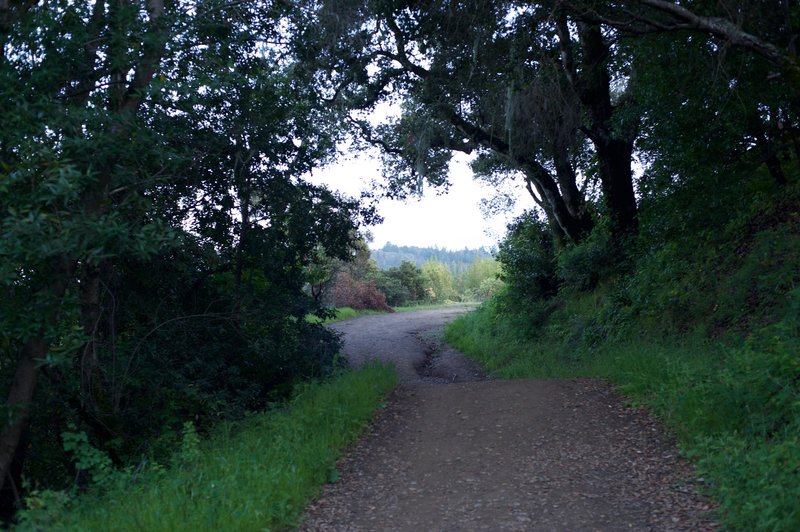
(87,458)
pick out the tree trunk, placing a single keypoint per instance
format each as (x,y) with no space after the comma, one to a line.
(572,227)
(98,404)
(573,197)
(767,148)
(19,399)
(559,237)
(614,151)
(616,181)
(22,387)
(244,207)
(91,315)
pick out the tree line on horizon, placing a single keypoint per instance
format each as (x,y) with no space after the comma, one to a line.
(457,261)
(361,283)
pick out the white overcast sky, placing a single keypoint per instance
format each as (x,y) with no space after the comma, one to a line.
(453,220)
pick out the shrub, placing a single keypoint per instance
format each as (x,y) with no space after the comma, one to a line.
(359,295)
(527,255)
(580,267)
(397,294)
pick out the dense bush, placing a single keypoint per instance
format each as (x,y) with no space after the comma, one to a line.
(206,355)
(581,266)
(404,284)
(359,295)
(528,259)
(397,293)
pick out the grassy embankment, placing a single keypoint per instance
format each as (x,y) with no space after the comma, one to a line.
(705,333)
(254,475)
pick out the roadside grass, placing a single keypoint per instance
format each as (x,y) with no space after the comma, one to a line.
(431,306)
(342,313)
(257,474)
(346,313)
(735,409)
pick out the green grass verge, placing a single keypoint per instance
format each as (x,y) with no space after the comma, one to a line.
(346,313)
(734,408)
(256,475)
(431,306)
(342,313)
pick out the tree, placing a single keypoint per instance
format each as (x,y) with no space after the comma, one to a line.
(68,121)
(438,281)
(403,284)
(768,33)
(612,137)
(504,79)
(726,90)
(479,272)
(150,157)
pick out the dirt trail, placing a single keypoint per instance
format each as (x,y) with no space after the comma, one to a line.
(454,450)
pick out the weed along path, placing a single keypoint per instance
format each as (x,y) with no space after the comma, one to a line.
(455,450)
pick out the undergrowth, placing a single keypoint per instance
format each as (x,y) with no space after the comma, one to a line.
(257,474)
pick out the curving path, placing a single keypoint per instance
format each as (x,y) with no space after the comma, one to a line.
(454,450)
(412,342)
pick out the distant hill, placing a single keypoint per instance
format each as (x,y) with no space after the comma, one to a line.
(392,255)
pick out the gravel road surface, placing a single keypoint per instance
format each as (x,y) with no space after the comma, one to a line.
(455,450)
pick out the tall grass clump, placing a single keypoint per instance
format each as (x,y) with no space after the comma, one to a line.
(257,474)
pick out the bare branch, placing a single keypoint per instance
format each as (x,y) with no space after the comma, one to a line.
(535,197)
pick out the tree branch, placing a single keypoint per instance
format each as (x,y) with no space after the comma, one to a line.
(154,46)
(536,198)
(719,27)
(402,55)
(682,18)
(366,132)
